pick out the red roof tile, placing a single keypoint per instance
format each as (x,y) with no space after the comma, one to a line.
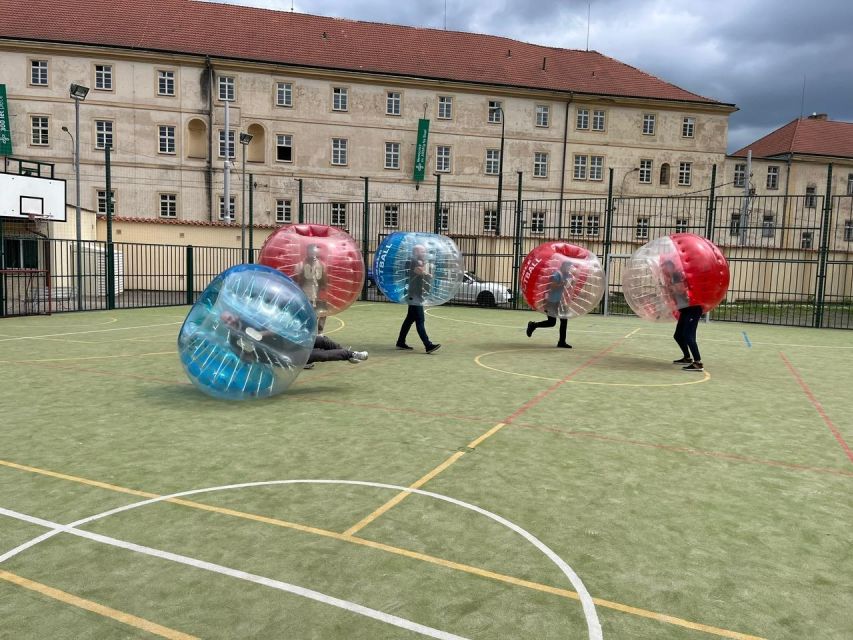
(228,31)
(805,136)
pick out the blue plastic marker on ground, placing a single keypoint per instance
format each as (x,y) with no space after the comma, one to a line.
(746,339)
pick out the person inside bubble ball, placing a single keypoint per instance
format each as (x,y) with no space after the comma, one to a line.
(419,274)
(311,277)
(561,280)
(688,317)
(260,345)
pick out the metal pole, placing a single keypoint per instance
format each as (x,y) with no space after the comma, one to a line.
(301,217)
(365,232)
(744,211)
(712,206)
(437,220)
(500,174)
(226,169)
(79,223)
(251,219)
(243,209)
(608,236)
(110,265)
(516,263)
(823,251)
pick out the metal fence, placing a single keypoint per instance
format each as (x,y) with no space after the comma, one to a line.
(791,257)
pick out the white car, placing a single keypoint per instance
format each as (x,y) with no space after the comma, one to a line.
(486,294)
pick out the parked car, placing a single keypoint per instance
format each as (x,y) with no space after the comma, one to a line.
(473,290)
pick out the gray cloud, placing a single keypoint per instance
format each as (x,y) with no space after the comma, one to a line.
(754,53)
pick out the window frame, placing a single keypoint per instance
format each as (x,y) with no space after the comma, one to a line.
(772,177)
(283,210)
(443,218)
(688,127)
(596,115)
(46,70)
(850,184)
(593,225)
(232,206)
(768,226)
(581,115)
(394,154)
(340,99)
(170,204)
(340,147)
(642,228)
(848,230)
(106,75)
(540,165)
(161,77)
(649,171)
(596,169)
(495,114)
(228,143)
(810,199)
(338,210)
(392,101)
(542,116)
(735,226)
(685,174)
(739,180)
(43,128)
(490,220)
(391,216)
(682,225)
(649,127)
(101,198)
(577,224)
(537,222)
(284,94)
(161,139)
(444,103)
(493,158)
(439,160)
(279,139)
(101,136)
(807,240)
(226,82)
(580,165)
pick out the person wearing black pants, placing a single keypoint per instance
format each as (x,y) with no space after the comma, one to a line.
(559,281)
(419,273)
(685,337)
(550,322)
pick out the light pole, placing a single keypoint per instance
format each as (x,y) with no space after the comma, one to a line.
(245,139)
(78,93)
(500,172)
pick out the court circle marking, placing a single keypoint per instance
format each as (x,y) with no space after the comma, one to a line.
(587,604)
(478,360)
(510,326)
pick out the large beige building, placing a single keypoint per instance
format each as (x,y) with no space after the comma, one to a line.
(331,101)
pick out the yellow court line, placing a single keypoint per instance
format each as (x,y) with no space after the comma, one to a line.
(413,555)
(633,332)
(94,607)
(343,324)
(358,526)
(510,326)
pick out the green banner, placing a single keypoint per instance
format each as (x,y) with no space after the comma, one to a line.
(421,150)
(5,131)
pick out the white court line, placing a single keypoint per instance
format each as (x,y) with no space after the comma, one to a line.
(517,327)
(236,573)
(76,333)
(590,614)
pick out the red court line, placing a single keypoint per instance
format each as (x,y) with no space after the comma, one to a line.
(819,407)
(544,394)
(735,457)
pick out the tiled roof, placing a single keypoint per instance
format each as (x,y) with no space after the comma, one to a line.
(807,136)
(262,35)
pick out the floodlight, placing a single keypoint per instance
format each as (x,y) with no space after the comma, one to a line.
(79,92)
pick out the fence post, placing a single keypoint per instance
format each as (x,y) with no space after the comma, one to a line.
(301,216)
(251,219)
(436,226)
(110,264)
(608,236)
(516,261)
(712,205)
(823,251)
(365,232)
(190,274)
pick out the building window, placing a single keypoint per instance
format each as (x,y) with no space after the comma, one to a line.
(231,149)
(664,174)
(392,103)
(596,167)
(848,231)
(582,119)
(339,151)
(442,159)
(168,205)
(649,124)
(103,134)
(283,210)
(445,107)
(339,214)
(38,72)
(734,225)
(543,115)
(685,173)
(811,197)
(40,130)
(773,177)
(768,229)
(806,240)
(642,228)
(167,139)
(495,112)
(645,171)
(340,99)
(540,165)
(490,220)
(537,222)
(231,209)
(576,224)
(104,77)
(102,201)
(681,225)
(226,88)
(392,155)
(21,253)
(592,225)
(740,175)
(392,216)
(598,120)
(687,127)
(284,147)
(492,162)
(443,219)
(850,184)
(165,83)
(283,94)
(580,168)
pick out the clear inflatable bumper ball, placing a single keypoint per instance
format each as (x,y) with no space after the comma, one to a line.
(562,280)
(249,334)
(675,272)
(324,261)
(418,268)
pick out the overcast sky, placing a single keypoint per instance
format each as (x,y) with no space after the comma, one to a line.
(754,53)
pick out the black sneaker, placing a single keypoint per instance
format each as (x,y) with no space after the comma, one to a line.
(683,361)
(433,348)
(405,347)
(694,366)
(531,327)
(564,345)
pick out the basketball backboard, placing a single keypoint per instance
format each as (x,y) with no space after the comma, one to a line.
(23,196)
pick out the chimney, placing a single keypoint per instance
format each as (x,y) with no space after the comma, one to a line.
(818,116)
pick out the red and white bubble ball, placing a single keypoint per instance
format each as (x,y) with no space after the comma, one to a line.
(674,272)
(324,261)
(562,280)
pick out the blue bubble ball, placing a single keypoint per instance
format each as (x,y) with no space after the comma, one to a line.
(423,269)
(249,334)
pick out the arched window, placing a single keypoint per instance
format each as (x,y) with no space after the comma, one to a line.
(664,174)
(197,137)
(257,147)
